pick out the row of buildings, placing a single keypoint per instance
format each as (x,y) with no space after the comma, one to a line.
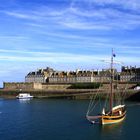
(130,74)
(49,75)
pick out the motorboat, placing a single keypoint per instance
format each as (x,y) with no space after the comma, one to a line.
(24,96)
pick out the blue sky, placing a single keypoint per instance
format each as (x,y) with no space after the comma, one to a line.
(66,35)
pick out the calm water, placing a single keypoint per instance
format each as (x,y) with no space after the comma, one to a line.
(47,119)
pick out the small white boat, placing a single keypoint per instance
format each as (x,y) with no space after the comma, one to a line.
(24,96)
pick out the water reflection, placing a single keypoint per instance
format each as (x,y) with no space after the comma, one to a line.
(111,130)
(25,100)
(1,101)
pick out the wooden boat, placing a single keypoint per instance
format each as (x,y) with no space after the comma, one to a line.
(115,113)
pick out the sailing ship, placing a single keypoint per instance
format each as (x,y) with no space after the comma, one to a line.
(114,113)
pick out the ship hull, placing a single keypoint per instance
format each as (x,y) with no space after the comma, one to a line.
(111,119)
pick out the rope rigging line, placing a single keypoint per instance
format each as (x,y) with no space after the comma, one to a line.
(92,103)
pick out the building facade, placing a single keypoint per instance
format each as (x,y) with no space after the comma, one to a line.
(39,76)
(80,77)
(130,74)
(48,75)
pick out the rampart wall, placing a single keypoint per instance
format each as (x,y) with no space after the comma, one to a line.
(18,85)
(34,86)
(41,86)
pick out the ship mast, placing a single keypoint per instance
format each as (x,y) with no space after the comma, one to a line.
(111,83)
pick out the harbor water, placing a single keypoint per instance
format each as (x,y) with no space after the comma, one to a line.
(61,119)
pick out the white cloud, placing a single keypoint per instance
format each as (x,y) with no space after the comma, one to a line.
(77,17)
(17,14)
(126,4)
(58,57)
(17,37)
(22,14)
(83,25)
(45,56)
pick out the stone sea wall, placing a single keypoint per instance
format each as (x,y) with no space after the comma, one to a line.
(33,86)
(38,90)
(44,86)
(17,85)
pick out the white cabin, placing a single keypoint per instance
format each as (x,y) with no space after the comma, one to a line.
(24,96)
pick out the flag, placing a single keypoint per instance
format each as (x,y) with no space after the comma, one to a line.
(114,55)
